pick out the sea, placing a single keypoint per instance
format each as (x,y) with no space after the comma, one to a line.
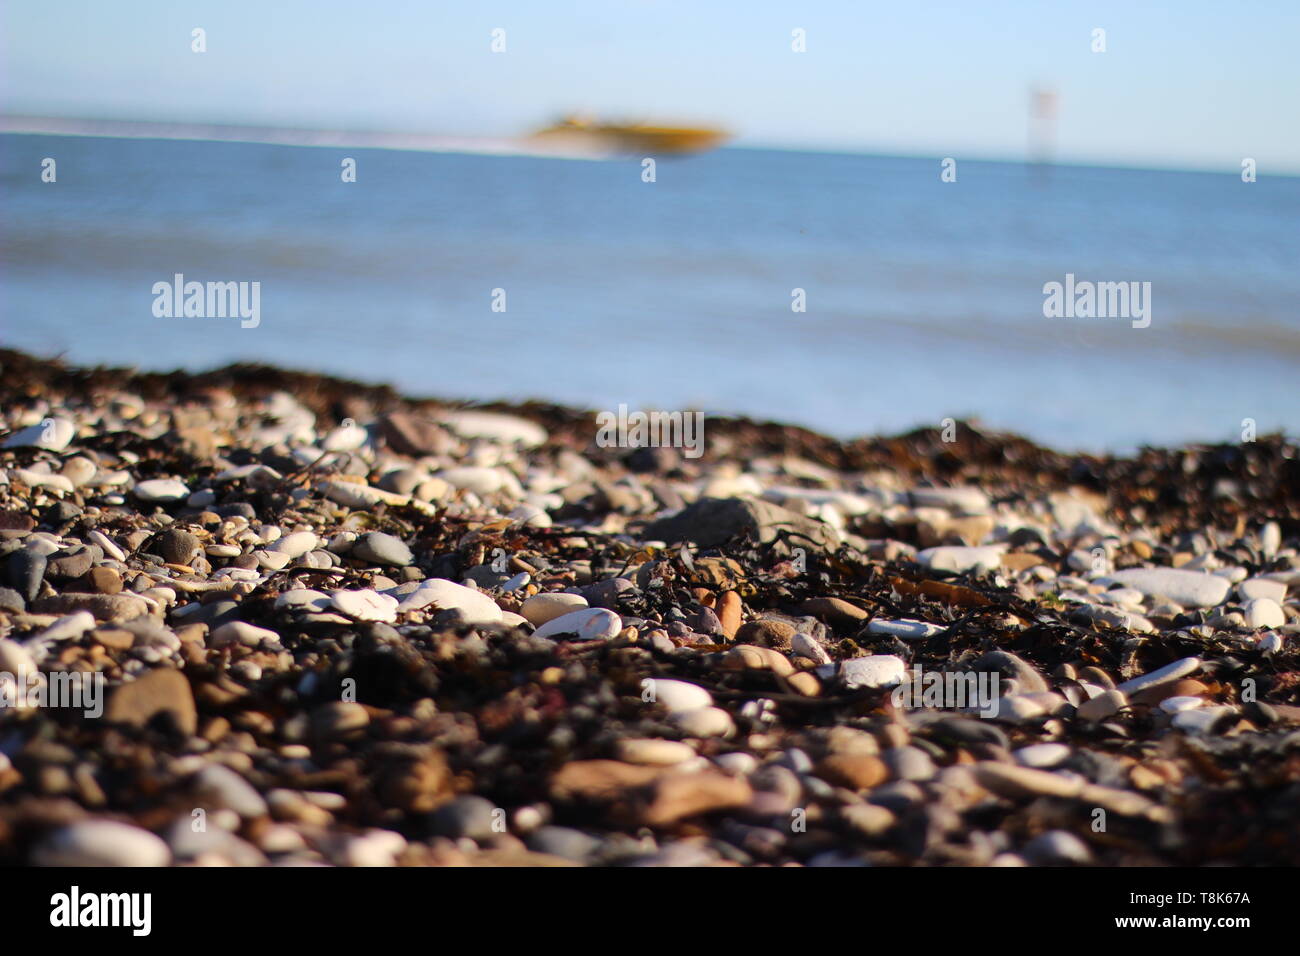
(853,294)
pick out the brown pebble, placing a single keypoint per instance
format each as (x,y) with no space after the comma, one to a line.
(854,771)
(729,610)
(161,691)
(104,580)
(114,638)
(804,683)
(599,779)
(1020,561)
(703,597)
(766,633)
(836,611)
(676,796)
(749,657)
(1179,688)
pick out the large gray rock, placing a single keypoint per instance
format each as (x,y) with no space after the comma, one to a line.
(711,522)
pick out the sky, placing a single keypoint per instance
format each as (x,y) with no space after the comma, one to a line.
(1192,84)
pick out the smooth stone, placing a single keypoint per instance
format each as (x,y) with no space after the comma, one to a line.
(703,722)
(520,580)
(1170,672)
(564,842)
(68,628)
(356,495)
(161,691)
(365,605)
(175,546)
(412,435)
(241,632)
(78,470)
(750,657)
(739,763)
(959,558)
(1176,705)
(480,479)
(73,562)
(507,429)
(161,490)
(295,545)
(1270,539)
(101,843)
(1262,588)
(877,671)
(805,645)
(854,771)
(1106,704)
(16,660)
(541,608)
(105,580)
(26,570)
(1056,847)
(1128,597)
(302,600)
(909,763)
(211,845)
(379,548)
(104,541)
(971,501)
(1042,756)
(766,632)
(339,717)
(713,522)
(675,695)
(475,606)
(588,624)
(1016,708)
(224,789)
(1117,618)
(906,629)
(15,524)
(836,611)
(1201,720)
(607,593)
(1264,613)
(653,752)
(52,434)
(1027,678)
(113,608)
(1009,780)
(347,437)
(468,816)
(42,479)
(1188,588)
(530,516)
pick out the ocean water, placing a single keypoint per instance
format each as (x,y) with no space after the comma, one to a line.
(924,299)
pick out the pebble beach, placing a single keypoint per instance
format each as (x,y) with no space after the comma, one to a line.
(336,625)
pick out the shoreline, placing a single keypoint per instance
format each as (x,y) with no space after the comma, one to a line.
(358,628)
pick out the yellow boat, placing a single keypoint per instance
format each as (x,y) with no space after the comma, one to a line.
(582,133)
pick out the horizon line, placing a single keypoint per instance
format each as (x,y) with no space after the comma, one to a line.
(110,128)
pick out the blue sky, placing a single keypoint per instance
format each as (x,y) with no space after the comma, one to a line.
(1192,84)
